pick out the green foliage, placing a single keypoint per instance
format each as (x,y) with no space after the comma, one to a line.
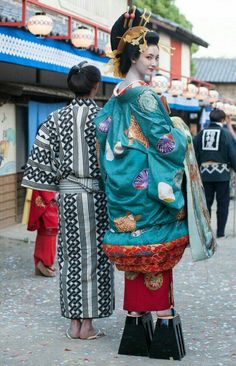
(193,49)
(166,9)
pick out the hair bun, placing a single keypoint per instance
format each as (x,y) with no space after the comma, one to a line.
(132,18)
(76,69)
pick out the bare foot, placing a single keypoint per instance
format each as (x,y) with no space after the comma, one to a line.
(87,329)
(74,329)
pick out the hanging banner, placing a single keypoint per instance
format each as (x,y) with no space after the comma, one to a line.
(205,119)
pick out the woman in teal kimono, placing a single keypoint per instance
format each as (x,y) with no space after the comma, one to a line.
(141,159)
(144,158)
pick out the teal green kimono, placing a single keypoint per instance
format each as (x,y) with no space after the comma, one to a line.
(141,159)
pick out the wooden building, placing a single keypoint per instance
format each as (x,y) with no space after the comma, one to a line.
(33,74)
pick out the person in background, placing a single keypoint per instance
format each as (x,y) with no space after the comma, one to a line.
(64,159)
(215,149)
(43,217)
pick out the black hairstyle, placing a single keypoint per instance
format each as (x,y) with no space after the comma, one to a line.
(130,52)
(82,79)
(120,27)
(217,115)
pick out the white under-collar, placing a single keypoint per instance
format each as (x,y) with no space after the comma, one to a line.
(118,91)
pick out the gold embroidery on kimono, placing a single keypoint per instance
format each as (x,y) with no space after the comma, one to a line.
(126,223)
(135,133)
(153,281)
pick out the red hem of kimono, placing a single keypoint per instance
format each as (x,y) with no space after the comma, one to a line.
(147,258)
(45,249)
(138,297)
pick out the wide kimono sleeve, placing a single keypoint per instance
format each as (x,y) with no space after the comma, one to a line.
(102,122)
(43,167)
(166,150)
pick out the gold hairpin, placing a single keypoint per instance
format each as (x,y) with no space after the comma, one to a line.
(145,17)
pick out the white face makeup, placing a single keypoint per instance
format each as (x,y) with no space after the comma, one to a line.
(147,63)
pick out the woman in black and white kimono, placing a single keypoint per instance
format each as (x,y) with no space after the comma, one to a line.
(63,159)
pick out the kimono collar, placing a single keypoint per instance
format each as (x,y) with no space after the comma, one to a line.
(86,101)
(120,91)
(129,92)
(216,123)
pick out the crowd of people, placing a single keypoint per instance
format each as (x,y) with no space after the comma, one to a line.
(119,174)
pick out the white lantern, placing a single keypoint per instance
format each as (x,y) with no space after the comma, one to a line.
(82,38)
(213,96)
(202,93)
(234,110)
(40,24)
(160,84)
(227,108)
(176,88)
(218,105)
(190,91)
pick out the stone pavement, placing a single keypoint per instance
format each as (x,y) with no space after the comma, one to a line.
(32,332)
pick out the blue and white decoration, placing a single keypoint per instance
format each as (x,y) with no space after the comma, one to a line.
(181,103)
(23,48)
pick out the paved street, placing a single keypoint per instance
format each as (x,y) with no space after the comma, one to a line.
(32,331)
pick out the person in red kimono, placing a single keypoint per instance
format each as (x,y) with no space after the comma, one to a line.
(43,217)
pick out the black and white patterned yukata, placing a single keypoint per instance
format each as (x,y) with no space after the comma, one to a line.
(63,154)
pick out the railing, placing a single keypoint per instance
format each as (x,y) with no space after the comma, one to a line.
(69,18)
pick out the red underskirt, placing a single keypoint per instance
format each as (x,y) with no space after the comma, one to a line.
(138,297)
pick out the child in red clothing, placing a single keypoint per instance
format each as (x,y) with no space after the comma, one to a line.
(43,217)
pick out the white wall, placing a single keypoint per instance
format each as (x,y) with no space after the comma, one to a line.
(103,12)
(165,57)
(185,60)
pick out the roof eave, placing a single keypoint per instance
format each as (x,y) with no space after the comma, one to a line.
(176,30)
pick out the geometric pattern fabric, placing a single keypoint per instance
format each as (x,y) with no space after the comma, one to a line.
(65,145)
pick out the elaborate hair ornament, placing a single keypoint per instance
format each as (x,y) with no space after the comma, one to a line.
(136,37)
(129,16)
(145,18)
(123,32)
(114,64)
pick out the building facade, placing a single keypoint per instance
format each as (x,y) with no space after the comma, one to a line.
(219,71)
(33,74)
